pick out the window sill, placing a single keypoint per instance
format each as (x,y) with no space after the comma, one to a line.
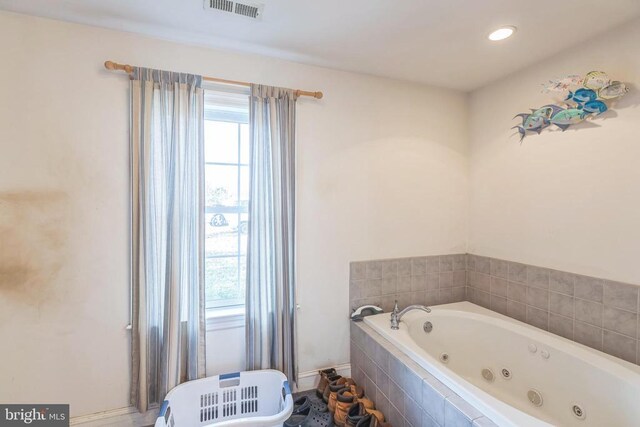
(225,318)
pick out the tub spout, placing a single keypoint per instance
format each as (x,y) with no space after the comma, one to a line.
(396,315)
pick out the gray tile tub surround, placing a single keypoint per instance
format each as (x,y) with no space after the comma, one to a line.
(407,395)
(426,280)
(598,313)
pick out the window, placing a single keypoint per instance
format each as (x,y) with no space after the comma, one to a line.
(226,149)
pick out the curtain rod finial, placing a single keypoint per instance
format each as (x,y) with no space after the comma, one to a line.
(110,65)
(316,95)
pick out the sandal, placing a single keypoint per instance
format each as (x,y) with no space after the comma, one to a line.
(309,418)
(300,405)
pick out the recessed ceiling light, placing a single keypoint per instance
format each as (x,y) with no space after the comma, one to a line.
(502,33)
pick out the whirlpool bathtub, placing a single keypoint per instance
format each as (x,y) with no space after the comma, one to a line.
(515,374)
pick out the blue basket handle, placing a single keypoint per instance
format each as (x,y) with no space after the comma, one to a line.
(165,412)
(229,380)
(287,398)
(163,408)
(230,376)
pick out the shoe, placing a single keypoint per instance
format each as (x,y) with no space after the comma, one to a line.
(344,400)
(333,398)
(304,415)
(377,414)
(356,412)
(299,419)
(324,375)
(357,391)
(300,405)
(368,404)
(326,391)
(370,420)
(334,388)
(317,404)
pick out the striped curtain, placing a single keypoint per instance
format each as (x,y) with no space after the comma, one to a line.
(270,305)
(168,316)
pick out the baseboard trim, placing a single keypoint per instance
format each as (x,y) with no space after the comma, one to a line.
(125,417)
(309,380)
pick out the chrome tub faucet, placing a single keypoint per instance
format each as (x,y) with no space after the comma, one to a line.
(396,315)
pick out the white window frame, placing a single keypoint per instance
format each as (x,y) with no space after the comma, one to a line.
(231,314)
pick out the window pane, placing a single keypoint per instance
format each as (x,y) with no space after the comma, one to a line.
(221,186)
(244,186)
(244,227)
(220,240)
(244,208)
(244,144)
(227,200)
(222,280)
(243,273)
(220,142)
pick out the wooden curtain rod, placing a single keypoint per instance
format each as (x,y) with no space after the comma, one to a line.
(110,65)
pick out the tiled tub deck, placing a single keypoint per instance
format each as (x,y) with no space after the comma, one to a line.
(407,394)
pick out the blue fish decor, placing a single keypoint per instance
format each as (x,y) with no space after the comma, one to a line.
(595,107)
(582,95)
(589,99)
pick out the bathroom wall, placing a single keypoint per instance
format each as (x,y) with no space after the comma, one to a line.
(382,173)
(564,200)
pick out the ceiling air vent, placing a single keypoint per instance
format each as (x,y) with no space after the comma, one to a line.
(242,8)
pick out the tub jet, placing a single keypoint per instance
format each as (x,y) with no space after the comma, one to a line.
(427,327)
(578,412)
(506,374)
(535,397)
(487,374)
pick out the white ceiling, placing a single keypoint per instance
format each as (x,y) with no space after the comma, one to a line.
(439,42)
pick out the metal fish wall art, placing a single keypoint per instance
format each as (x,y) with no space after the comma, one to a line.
(587,97)
(562,84)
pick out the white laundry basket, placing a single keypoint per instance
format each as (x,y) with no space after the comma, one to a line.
(253,398)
